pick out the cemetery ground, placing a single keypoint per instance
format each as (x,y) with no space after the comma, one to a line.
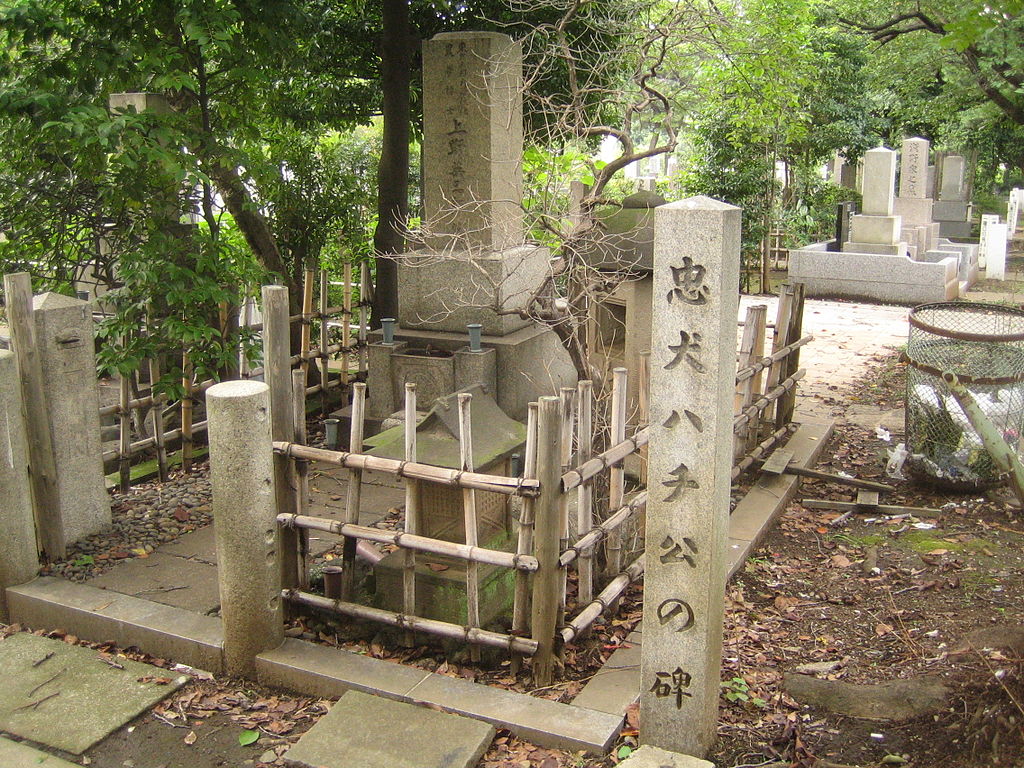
(825,603)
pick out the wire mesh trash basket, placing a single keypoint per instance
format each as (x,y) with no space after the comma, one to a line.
(983,344)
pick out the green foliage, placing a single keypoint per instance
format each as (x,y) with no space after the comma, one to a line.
(737,691)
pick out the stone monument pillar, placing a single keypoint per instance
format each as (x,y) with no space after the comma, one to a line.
(1013,211)
(693,365)
(987,219)
(951,210)
(19,559)
(995,249)
(913,204)
(64,335)
(875,229)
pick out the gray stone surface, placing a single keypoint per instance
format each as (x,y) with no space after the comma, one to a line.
(473,140)
(64,333)
(884,230)
(878,177)
(166,579)
(103,616)
(693,367)
(896,700)
(895,249)
(19,560)
(949,210)
(652,757)
(245,521)
(913,210)
(16,755)
(417,737)
(199,545)
(914,168)
(952,178)
(93,699)
(616,685)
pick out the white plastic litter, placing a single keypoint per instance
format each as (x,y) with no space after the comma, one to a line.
(883,434)
(894,467)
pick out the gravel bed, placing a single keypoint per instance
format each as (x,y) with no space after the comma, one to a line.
(145,517)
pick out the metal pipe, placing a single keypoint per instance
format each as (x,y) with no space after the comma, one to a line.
(474,337)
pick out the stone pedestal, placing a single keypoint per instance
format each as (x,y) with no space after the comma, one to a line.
(64,335)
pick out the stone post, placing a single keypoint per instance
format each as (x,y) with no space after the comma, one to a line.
(245,521)
(987,219)
(914,168)
(995,255)
(67,354)
(1013,211)
(877,186)
(952,184)
(693,368)
(19,560)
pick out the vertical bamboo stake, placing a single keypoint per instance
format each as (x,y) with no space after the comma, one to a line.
(45,496)
(780,337)
(125,419)
(325,393)
(547,579)
(355,490)
(157,412)
(524,544)
(301,472)
(644,397)
(243,358)
(365,291)
(566,404)
(346,324)
(411,509)
(744,394)
(186,412)
(617,474)
(585,493)
(760,320)
(277,373)
(787,403)
(469,512)
(306,327)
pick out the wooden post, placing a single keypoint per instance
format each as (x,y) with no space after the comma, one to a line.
(644,389)
(566,406)
(45,501)
(301,472)
(787,403)
(306,321)
(780,337)
(325,393)
(365,296)
(617,474)
(760,321)
(585,493)
(243,359)
(186,412)
(355,490)
(469,512)
(277,374)
(547,580)
(524,545)
(744,390)
(346,324)
(411,509)
(125,433)
(158,420)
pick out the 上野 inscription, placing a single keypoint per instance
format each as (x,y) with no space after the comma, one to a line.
(688,349)
(672,683)
(689,283)
(676,612)
(673,551)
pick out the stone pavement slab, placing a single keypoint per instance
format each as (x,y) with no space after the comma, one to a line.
(166,579)
(416,737)
(652,757)
(199,545)
(66,697)
(14,754)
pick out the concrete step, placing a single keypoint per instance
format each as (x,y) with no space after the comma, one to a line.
(14,754)
(374,732)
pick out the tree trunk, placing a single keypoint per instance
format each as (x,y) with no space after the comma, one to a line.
(393,172)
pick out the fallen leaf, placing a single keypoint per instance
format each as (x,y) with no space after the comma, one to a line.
(841,561)
(191,738)
(882,629)
(437,567)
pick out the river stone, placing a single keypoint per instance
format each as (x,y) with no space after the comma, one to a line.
(896,700)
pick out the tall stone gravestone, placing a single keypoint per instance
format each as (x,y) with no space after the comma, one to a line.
(64,335)
(951,210)
(875,229)
(693,365)
(987,219)
(995,250)
(1013,211)
(913,204)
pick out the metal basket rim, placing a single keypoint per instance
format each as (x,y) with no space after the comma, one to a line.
(973,306)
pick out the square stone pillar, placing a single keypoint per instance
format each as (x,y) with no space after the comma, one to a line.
(693,370)
(64,335)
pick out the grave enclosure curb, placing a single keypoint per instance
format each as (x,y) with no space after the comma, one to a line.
(189,638)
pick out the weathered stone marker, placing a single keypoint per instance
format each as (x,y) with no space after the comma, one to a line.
(693,366)
(914,168)
(19,560)
(245,521)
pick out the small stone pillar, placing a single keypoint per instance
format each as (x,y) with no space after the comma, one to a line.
(64,335)
(875,229)
(19,559)
(693,370)
(245,521)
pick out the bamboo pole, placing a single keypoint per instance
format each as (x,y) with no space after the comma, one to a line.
(510,486)
(301,473)
(325,377)
(471,635)
(524,541)
(566,406)
(278,376)
(125,435)
(305,332)
(186,412)
(412,504)
(145,444)
(780,338)
(157,414)
(766,445)
(244,369)
(787,404)
(644,389)
(585,492)
(599,532)
(753,385)
(355,490)
(617,479)
(606,601)
(545,603)
(595,466)
(469,514)
(412,541)
(346,323)
(766,399)
(42,464)
(744,392)
(365,297)
(765,362)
